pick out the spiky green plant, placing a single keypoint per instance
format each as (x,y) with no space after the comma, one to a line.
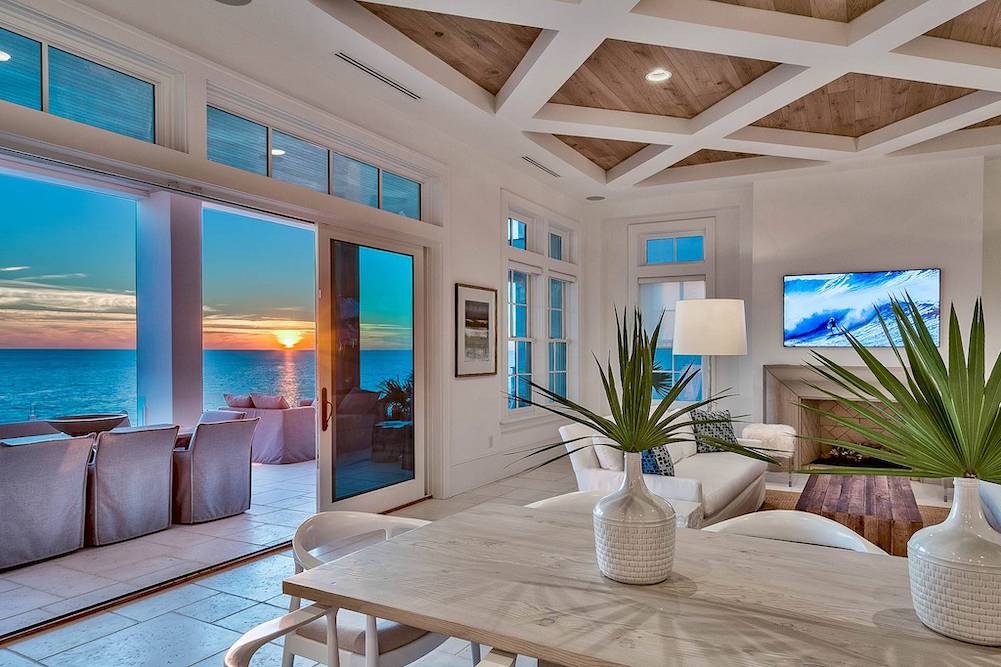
(398,396)
(942,420)
(635,425)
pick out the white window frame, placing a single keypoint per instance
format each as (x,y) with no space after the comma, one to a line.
(274,118)
(168,84)
(640,231)
(540,267)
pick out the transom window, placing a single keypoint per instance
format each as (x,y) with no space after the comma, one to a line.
(78,89)
(675,249)
(517,234)
(245,144)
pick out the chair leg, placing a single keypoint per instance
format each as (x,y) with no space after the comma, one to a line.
(371,642)
(475,649)
(287,656)
(790,478)
(333,650)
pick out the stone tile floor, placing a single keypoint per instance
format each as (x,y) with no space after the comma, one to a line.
(283,497)
(193,625)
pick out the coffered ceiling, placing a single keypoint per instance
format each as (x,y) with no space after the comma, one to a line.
(769,84)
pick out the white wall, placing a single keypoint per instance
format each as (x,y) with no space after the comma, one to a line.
(470,447)
(909,215)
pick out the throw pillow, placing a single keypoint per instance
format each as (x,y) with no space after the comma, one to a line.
(235,401)
(268,402)
(657,461)
(609,458)
(305,402)
(718,430)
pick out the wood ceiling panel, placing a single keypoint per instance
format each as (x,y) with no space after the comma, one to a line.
(606,153)
(832,10)
(613,78)
(486,52)
(707,156)
(980,25)
(857,104)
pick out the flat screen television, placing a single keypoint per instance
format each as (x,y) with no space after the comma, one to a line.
(817,306)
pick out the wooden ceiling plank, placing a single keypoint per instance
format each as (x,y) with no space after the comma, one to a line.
(980,25)
(486,52)
(842,11)
(605,153)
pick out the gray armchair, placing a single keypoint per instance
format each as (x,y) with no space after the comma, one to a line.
(212,475)
(42,499)
(128,484)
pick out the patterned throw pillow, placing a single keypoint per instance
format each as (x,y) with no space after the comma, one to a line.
(657,461)
(720,430)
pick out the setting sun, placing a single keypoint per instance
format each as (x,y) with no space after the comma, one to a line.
(288,339)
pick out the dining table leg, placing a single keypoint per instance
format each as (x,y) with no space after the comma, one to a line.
(333,651)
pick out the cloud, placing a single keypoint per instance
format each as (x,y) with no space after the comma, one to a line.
(14,268)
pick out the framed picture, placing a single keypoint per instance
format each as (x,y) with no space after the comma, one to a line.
(475,330)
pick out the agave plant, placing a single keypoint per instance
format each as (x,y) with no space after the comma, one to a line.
(942,420)
(635,425)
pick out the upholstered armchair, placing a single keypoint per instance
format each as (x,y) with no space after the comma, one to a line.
(42,499)
(781,443)
(212,475)
(128,484)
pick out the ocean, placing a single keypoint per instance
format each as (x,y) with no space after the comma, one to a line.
(48,383)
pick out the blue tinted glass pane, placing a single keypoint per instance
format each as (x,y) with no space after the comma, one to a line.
(97,95)
(519,287)
(296,161)
(237,141)
(519,326)
(401,195)
(524,356)
(356,181)
(21,73)
(556,324)
(558,383)
(516,234)
(512,367)
(690,249)
(683,361)
(660,251)
(557,356)
(556,246)
(555,293)
(524,390)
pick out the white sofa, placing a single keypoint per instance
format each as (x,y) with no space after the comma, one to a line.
(724,483)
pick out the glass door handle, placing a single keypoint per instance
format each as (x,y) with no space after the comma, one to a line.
(325,406)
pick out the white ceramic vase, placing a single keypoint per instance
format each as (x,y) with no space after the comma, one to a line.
(955,570)
(634,530)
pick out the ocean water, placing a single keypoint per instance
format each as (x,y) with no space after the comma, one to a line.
(47,383)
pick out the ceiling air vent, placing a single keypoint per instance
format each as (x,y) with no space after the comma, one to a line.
(538,165)
(377,75)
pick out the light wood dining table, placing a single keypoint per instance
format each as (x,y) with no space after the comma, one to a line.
(525,581)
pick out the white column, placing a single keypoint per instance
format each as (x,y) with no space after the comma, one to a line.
(169,311)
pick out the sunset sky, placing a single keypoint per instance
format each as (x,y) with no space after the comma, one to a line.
(67,276)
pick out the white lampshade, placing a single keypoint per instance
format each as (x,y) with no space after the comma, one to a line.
(712,327)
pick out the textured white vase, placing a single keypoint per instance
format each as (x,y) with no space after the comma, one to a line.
(955,570)
(634,530)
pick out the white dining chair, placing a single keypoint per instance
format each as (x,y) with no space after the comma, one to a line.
(339,637)
(796,526)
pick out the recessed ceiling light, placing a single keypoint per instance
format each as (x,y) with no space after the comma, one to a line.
(277,152)
(4,56)
(234,3)
(658,74)
(596,198)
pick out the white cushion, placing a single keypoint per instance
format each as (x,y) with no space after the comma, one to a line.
(724,475)
(609,458)
(779,437)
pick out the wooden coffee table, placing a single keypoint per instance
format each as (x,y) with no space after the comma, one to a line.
(880,509)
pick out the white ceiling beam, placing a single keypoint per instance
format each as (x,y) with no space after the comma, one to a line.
(568,156)
(535,13)
(627,170)
(715,27)
(956,142)
(942,61)
(894,22)
(787,143)
(728,169)
(555,56)
(610,124)
(949,117)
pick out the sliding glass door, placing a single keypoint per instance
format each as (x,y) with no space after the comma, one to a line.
(370,375)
